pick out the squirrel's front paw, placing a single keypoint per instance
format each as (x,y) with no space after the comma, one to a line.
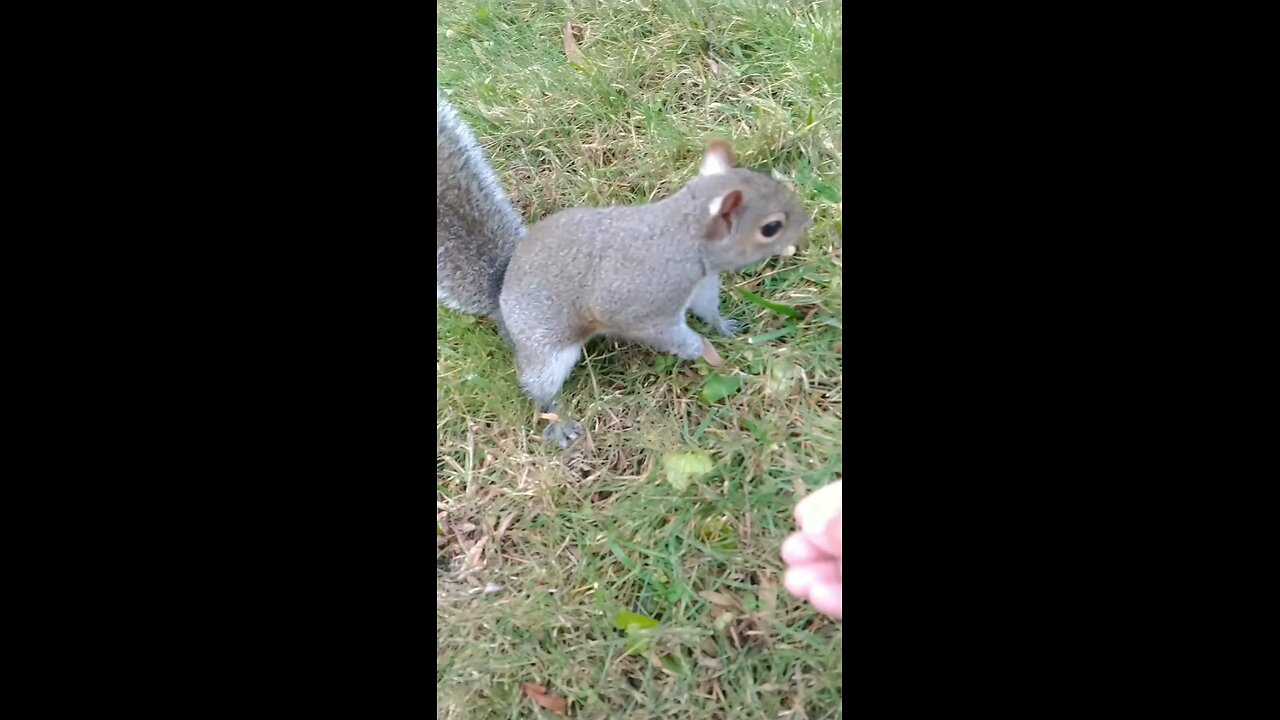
(729,326)
(562,432)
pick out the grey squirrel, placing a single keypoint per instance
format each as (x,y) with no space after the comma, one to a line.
(626,271)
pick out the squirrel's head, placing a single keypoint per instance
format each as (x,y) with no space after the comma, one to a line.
(750,216)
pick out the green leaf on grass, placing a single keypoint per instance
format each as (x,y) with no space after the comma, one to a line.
(718,387)
(718,533)
(770,305)
(675,664)
(439,532)
(629,621)
(781,377)
(638,629)
(681,468)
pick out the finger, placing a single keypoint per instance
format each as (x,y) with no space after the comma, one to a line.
(826,534)
(800,579)
(797,550)
(828,599)
(814,511)
(796,584)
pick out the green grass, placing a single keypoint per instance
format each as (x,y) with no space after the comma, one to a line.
(575,538)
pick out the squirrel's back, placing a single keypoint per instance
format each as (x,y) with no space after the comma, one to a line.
(477,228)
(622,266)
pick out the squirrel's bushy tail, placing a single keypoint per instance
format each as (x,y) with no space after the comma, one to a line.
(477,227)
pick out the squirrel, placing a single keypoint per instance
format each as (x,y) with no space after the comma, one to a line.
(630,272)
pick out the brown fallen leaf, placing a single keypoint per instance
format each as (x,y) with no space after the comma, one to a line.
(839,348)
(710,355)
(502,528)
(716,598)
(543,699)
(473,560)
(571,50)
(768,594)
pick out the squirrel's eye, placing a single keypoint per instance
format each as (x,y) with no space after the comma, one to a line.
(771,228)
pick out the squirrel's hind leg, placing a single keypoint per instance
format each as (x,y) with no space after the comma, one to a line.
(542,374)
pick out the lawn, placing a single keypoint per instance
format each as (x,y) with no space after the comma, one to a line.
(603,574)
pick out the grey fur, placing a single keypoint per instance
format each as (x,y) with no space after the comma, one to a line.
(633,272)
(477,228)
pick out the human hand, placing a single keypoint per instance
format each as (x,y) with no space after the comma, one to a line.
(814,557)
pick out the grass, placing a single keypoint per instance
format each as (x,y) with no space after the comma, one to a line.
(542,550)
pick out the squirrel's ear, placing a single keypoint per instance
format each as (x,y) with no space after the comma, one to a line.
(722,210)
(718,158)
